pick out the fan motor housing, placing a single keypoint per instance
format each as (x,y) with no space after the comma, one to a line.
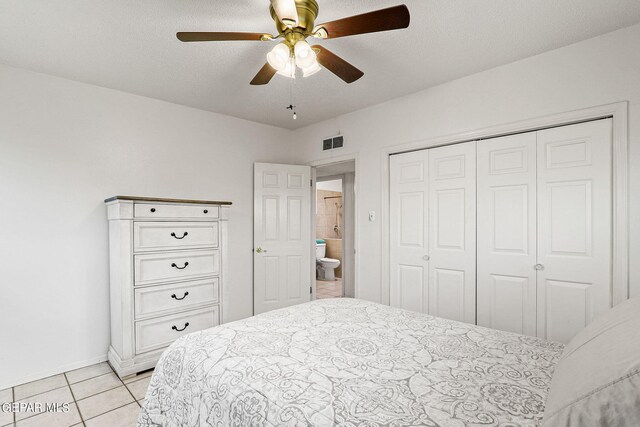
(307,13)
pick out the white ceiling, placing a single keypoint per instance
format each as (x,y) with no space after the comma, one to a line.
(131,46)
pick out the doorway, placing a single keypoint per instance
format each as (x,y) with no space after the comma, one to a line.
(334,230)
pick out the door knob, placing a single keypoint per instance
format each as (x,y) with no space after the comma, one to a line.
(259,250)
(426,258)
(538,267)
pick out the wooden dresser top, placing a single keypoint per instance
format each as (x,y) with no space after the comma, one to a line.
(164,200)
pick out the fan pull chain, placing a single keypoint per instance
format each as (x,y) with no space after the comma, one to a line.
(292,105)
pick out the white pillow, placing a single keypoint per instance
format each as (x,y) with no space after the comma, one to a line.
(597,380)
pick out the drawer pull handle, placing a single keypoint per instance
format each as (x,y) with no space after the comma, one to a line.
(180,299)
(179,268)
(206,211)
(180,238)
(153,209)
(175,328)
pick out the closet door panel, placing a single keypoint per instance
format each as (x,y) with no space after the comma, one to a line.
(574,227)
(507,233)
(409,231)
(452,232)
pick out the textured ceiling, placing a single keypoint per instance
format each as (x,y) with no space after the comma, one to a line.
(131,46)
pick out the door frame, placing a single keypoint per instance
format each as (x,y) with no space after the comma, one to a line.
(348,264)
(356,261)
(618,112)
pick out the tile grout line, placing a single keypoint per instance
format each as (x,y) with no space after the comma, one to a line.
(73,396)
(110,410)
(103,391)
(64,374)
(15,416)
(127,388)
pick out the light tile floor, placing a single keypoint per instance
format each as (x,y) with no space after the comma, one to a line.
(329,289)
(96,397)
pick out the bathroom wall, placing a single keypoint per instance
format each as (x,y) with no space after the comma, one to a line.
(326,215)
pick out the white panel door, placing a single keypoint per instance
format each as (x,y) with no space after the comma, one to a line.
(282,235)
(574,227)
(409,197)
(452,232)
(507,233)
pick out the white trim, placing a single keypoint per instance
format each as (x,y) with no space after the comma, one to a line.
(619,112)
(55,371)
(356,258)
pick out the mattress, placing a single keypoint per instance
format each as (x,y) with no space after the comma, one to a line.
(350,363)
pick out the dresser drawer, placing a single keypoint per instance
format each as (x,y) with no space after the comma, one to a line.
(158,300)
(159,332)
(174,266)
(154,236)
(160,210)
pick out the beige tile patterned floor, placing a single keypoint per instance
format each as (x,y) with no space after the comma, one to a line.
(329,289)
(95,394)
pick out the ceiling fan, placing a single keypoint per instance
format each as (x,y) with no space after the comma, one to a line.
(295,22)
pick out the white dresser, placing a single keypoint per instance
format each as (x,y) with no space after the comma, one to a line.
(167,264)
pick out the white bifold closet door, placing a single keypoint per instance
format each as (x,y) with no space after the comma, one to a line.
(507,233)
(409,238)
(574,227)
(544,240)
(433,238)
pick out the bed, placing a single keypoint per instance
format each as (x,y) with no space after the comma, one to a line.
(351,363)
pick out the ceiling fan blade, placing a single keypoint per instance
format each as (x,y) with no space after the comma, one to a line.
(393,18)
(217,37)
(264,76)
(337,65)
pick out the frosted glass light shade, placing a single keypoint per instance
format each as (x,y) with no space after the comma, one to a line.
(289,70)
(305,56)
(279,56)
(286,12)
(311,70)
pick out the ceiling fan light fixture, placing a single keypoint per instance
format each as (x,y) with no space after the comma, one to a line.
(289,70)
(311,70)
(305,56)
(279,57)
(286,12)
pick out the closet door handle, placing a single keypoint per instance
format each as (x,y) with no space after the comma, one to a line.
(180,238)
(538,267)
(180,299)
(175,328)
(179,268)
(426,258)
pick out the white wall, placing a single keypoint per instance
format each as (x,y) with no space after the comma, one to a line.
(333,185)
(599,71)
(66,146)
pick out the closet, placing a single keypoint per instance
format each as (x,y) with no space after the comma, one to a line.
(512,233)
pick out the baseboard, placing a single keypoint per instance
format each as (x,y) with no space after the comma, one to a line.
(55,371)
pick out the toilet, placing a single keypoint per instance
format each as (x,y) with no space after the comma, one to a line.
(325,266)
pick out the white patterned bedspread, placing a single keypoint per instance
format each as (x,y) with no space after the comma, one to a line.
(350,363)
